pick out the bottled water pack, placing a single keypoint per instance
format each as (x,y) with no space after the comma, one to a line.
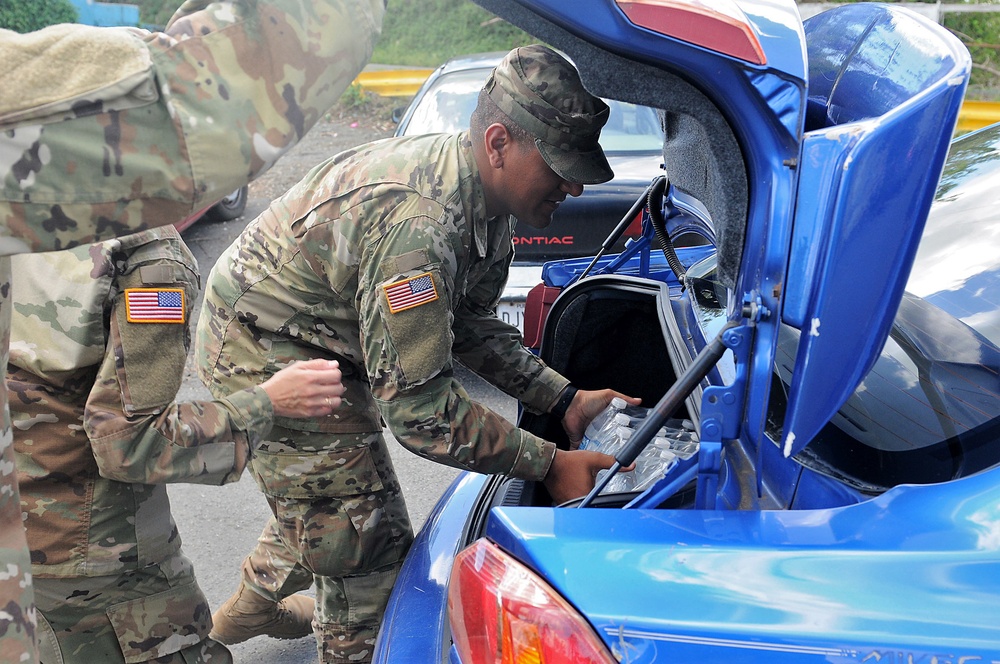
(595,430)
(611,429)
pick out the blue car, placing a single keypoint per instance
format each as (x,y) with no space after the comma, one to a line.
(831,354)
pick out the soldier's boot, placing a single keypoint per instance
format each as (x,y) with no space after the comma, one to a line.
(247,614)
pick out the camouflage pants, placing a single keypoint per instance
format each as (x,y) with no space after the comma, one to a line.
(155,614)
(340,521)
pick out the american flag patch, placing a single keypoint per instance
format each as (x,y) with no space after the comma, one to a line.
(410,293)
(154,305)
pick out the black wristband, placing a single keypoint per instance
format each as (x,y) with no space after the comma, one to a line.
(559,410)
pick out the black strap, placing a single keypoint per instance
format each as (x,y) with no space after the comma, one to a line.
(559,410)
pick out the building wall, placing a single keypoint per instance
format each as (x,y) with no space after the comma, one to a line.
(105,13)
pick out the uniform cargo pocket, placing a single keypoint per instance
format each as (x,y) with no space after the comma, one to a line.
(347,471)
(162,624)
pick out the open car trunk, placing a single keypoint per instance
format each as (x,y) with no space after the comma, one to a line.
(583,340)
(812,161)
(593,336)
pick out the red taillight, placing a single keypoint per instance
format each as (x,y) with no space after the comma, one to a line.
(718,25)
(502,613)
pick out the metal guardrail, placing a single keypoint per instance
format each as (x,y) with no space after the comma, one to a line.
(405,83)
(977,114)
(393,83)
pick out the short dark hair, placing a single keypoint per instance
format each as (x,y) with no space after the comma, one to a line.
(487,112)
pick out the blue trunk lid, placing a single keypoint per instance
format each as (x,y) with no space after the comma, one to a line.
(815,149)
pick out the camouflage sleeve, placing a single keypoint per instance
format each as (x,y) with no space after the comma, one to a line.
(495,351)
(406,288)
(140,434)
(191,114)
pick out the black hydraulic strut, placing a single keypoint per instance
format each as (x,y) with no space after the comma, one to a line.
(664,410)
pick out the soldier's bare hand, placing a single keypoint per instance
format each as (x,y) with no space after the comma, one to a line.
(306,389)
(586,405)
(573,473)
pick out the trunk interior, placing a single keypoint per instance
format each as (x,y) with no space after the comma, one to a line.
(600,324)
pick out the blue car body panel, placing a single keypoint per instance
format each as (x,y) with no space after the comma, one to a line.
(797,564)
(834,585)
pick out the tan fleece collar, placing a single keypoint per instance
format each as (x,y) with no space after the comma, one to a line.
(53,70)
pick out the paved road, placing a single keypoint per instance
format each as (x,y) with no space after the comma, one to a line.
(219,525)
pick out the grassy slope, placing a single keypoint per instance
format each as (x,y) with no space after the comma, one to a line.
(425,33)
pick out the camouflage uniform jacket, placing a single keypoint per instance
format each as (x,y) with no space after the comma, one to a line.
(104,131)
(111,130)
(384,258)
(92,495)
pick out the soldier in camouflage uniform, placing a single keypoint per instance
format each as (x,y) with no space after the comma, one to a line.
(104,343)
(104,131)
(391,258)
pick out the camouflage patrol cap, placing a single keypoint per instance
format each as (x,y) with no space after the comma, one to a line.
(541,92)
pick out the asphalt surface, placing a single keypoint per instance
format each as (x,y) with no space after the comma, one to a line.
(219,525)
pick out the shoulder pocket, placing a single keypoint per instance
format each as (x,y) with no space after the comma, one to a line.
(149,359)
(418,324)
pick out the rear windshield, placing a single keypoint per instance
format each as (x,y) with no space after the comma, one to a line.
(929,411)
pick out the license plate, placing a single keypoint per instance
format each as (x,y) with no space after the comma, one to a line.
(512,313)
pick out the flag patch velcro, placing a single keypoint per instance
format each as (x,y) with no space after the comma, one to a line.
(410,292)
(154,305)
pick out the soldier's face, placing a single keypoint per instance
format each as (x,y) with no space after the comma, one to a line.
(534,190)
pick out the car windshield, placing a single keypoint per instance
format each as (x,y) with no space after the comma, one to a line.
(929,410)
(448,104)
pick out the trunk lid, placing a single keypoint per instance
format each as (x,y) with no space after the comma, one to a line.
(814,149)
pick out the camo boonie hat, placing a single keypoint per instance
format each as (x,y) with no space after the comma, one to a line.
(542,93)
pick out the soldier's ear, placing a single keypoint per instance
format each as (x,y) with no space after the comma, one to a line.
(498,142)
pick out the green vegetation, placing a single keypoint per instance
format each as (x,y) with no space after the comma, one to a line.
(425,33)
(153,12)
(29,15)
(355,97)
(981,34)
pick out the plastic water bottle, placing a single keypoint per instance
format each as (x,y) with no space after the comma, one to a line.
(652,464)
(616,406)
(616,441)
(682,437)
(601,422)
(636,414)
(606,434)
(620,483)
